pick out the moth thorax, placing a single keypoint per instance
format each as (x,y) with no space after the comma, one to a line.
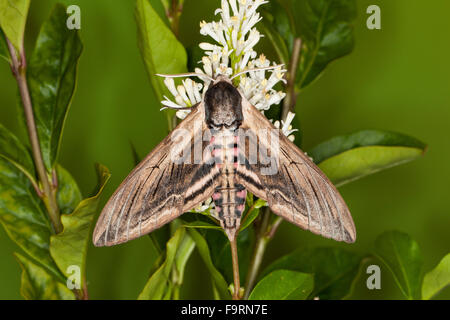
(223,108)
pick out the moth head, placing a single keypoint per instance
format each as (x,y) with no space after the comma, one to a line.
(223,105)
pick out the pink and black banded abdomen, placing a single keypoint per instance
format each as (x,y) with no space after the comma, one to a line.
(229,197)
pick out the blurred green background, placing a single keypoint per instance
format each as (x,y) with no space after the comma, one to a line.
(397,78)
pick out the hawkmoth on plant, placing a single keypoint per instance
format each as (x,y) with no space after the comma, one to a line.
(162,188)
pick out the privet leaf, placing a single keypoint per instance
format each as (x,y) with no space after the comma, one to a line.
(23,215)
(13,18)
(437,279)
(184,252)
(12,150)
(201,220)
(326,30)
(69,194)
(252,214)
(402,256)
(162,7)
(160,49)
(350,157)
(52,73)
(276,27)
(4,51)
(283,285)
(38,284)
(159,284)
(219,282)
(69,248)
(202,225)
(335,270)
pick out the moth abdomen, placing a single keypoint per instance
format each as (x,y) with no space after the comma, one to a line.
(229,196)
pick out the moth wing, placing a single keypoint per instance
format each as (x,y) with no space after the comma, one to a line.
(298,191)
(159,189)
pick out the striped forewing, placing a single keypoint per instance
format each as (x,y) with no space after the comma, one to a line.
(299,192)
(158,190)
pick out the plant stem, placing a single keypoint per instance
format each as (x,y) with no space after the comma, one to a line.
(291,94)
(234,256)
(85,291)
(176,292)
(49,193)
(258,253)
(175,17)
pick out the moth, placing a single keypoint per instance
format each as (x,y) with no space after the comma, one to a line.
(161,189)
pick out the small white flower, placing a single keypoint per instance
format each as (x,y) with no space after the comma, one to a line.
(286,126)
(208,204)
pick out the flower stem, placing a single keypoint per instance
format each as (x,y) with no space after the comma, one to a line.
(291,96)
(49,192)
(258,253)
(234,256)
(174,16)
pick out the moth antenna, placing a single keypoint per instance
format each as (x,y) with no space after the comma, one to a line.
(256,69)
(182,75)
(175,108)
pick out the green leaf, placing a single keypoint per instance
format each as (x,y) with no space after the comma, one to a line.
(283,285)
(23,215)
(159,283)
(184,252)
(402,256)
(52,74)
(13,18)
(162,7)
(69,248)
(160,49)
(335,270)
(326,30)
(350,157)
(437,279)
(69,194)
(38,284)
(276,27)
(4,51)
(252,214)
(12,150)
(202,246)
(202,225)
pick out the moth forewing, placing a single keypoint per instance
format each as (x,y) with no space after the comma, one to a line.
(159,189)
(299,191)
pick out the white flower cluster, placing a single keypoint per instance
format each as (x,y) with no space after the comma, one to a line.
(235,36)
(186,95)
